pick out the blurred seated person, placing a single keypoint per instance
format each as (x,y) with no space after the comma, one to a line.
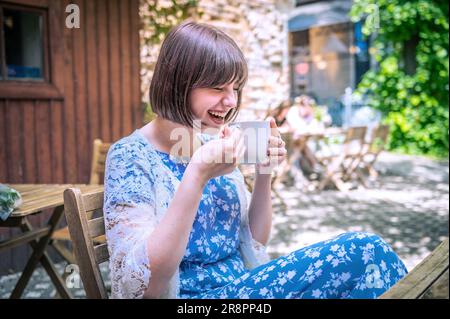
(279,114)
(303,118)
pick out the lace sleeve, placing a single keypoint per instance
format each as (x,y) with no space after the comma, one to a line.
(130,217)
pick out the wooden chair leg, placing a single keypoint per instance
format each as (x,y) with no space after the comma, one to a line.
(64,252)
(340,184)
(361,178)
(372,172)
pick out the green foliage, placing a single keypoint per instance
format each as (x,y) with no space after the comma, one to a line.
(416,103)
(161,16)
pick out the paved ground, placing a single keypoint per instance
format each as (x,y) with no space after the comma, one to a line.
(407,206)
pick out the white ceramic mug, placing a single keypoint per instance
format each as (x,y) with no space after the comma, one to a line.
(256,138)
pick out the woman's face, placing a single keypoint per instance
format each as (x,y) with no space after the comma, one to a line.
(211,105)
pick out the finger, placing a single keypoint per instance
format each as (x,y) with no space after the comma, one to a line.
(265,163)
(225,132)
(273,123)
(273,127)
(275,141)
(275,151)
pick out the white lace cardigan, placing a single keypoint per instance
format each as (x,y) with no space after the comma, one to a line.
(129,220)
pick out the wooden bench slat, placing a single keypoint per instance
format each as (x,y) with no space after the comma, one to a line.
(439,290)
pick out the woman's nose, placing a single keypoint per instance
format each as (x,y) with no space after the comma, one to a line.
(230,100)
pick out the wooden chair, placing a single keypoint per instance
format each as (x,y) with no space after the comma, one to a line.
(372,150)
(339,169)
(60,236)
(99,153)
(84,231)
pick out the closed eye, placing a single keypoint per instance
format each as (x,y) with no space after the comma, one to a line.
(221,89)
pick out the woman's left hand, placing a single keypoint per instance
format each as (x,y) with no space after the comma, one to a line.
(276,151)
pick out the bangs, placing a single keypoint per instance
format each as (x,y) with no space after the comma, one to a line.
(221,64)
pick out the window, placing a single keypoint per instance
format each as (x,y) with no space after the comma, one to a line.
(361,50)
(22,43)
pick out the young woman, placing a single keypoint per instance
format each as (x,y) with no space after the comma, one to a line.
(179,221)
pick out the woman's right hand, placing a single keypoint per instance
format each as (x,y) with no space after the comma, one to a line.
(218,157)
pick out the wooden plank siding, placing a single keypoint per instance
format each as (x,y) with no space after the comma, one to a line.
(95,93)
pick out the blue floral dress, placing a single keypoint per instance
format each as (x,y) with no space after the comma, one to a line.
(352,265)
(212,259)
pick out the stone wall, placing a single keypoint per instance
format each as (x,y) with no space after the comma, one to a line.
(259,27)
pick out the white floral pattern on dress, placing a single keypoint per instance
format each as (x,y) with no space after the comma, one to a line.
(221,259)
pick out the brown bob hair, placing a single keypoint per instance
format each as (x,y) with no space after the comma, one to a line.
(194,55)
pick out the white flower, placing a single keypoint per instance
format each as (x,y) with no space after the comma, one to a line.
(282,281)
(245,276)
(345,276)
(318,264)
(334,247)
(315,254)
(316,293)
(383,265)
(291,274)
(369,246)
(329,258)
(361,236)
(263,291)
(335,262)
(270,268)
(336,283)
(365,257)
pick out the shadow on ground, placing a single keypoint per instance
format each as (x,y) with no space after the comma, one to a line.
(407,206)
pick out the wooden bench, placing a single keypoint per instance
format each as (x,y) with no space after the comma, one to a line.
(429,279)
